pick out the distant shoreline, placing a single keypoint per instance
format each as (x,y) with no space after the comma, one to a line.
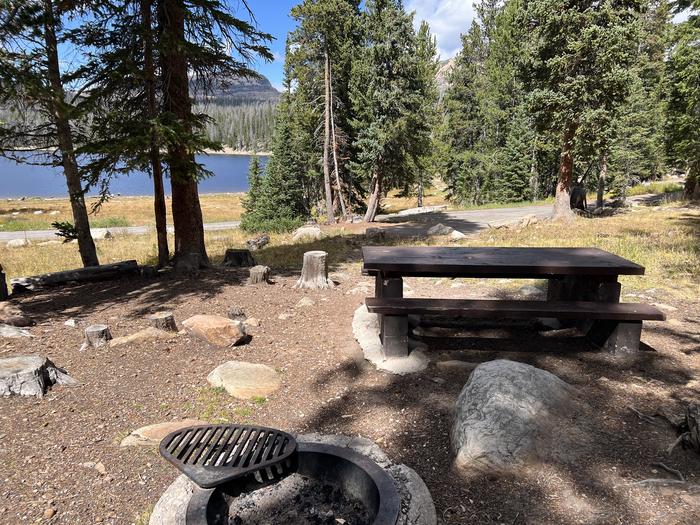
(244,153)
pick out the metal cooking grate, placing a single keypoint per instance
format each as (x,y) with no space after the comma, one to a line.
(213,454)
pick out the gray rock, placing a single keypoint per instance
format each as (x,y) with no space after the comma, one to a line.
(440,229)
(510,413)
(30,375)
(457,236)
(102,235)
(307,233)
(18,243)
(171,508)
(236,313)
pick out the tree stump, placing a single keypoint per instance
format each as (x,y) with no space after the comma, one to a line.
(30,375)
(97,336)
(238,259)
(163,321)
(4,294)
(314,272)
(259,274)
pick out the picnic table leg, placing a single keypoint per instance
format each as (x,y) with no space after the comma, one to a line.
(393,329)
(618,338)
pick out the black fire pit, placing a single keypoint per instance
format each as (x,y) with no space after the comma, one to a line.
(334,473)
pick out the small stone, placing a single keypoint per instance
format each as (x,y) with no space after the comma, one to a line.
(72,323)
(49,513)
(99,467)
(102,235)
(284,316)
(457,236)
(245,380)
(305,301)
(438,380)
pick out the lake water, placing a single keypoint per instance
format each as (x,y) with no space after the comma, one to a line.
(22,180)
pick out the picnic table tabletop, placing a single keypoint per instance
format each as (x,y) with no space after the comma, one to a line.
(446,261)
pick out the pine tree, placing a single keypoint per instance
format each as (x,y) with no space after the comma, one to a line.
(386,98)
(254,184)
(577,69)
(33,84)
(684,98)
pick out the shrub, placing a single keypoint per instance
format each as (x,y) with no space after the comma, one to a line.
(253,223)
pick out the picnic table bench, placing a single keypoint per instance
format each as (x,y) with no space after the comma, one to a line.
(582,285)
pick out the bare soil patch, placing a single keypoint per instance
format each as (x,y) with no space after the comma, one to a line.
(62,452)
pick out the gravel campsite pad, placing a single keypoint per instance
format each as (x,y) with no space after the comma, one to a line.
(61,459)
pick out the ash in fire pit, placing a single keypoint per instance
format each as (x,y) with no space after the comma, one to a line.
(300,500)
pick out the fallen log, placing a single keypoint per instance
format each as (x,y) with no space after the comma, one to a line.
(103,272)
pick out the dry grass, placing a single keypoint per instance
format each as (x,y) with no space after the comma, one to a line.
(16,215)
(666,241)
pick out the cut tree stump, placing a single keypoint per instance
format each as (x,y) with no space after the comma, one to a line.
(238,259)
(91,273)
(30,375)
(163,321)
(259,274)
(97,336)
(314,273)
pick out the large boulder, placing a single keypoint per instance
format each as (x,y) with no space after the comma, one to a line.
(245,380)
(217,330)
(509,414)
(307,233)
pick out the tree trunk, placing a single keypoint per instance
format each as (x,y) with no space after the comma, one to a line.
(187,212)
(533,174)
(326,143)
(602,175)
(343,209)
(562,202)
(86,245)
(420,194)
(154,151)
(696,192)
(375,195)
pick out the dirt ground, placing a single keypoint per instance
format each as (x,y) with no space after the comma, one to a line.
(49,446)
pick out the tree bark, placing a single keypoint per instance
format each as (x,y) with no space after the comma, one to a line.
(86,244)
(187,212)
(420,194)
(326,143)
(314,272)
(97,336)
(335,147)
(163,321)
(602,176)
(562,201)
(375,195)
(259,274)
(154,150)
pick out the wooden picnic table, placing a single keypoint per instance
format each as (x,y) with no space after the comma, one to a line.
(582,283)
